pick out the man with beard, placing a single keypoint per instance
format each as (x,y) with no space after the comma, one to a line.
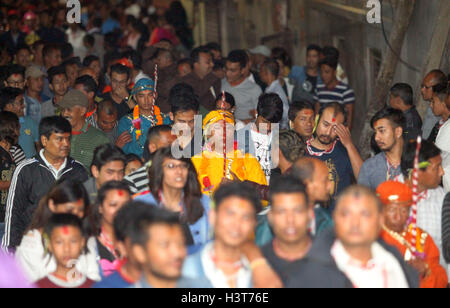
(388,125)
(332,144)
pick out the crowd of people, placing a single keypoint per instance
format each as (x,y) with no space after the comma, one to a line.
(129,158)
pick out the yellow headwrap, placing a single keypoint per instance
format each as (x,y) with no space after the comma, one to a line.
(216,116)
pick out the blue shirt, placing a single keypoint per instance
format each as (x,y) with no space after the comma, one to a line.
(114,281)
(376,170)
(199,230)
(34,107)
(137,146)
(298,73)
(29,135)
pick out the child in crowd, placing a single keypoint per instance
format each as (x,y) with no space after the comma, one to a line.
(111,197)
(132,163)
(65,240)
(65,197)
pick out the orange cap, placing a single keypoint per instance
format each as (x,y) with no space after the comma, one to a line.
(395,192)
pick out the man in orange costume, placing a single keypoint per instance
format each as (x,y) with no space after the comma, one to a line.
(397,231)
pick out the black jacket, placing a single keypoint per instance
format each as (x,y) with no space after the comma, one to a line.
(31,181)
(320,269)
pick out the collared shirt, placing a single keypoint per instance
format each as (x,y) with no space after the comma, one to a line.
(34,109)
(342,94)
(413,126)
(276,88)
(56,172)
(382,271)
(216,276)
(377,170)
(85,142)
(443,143)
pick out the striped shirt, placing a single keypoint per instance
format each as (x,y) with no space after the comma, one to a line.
(342,94)
(17,154)
(138,180)
(446,228)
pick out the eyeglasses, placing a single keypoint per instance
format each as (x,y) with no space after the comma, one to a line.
(15,83)
(171,166)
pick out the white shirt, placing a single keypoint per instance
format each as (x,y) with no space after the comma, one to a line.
(57,173)
(262,144)
(217,277)
(429,215)
(30,255)
(382,271)
(443,143)
(276,88)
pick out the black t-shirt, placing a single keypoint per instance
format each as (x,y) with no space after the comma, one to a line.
(312,81)
(282,267)
(7,168)
(122,109)
(339,168)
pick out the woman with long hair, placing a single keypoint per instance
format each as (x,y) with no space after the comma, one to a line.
(64,197)
(174,186)
(110,199)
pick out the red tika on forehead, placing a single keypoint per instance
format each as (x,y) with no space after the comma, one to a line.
(120,193)
(65,230)
(333,120)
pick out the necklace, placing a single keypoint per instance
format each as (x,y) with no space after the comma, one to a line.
(319,154)
(108,243)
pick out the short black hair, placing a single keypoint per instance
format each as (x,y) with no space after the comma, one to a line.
(182,99)
(241,190)
(314,47)
(89,59)
(155,132)
(9,127)
(304,169)
(66,50)
(89,40)
(54,125)
(22,46)
(107,106)
(404,91)
(229,98)
(63,220)
(126,218)
(287,184)
(270,107)
(394,116)
(427,150)
(107,153)
(56,70)
(238,56)
(88,83)
(213,46)
(8,95)
(272,66)
(131,158)
(120,69)
(72,61)
(12,69)
(195,54)
(331,52)
(329,61)
(291,145)
(185,61)
(279,53)
(161,51)
(298,106)
(139,234)
(337,109)
(49,48)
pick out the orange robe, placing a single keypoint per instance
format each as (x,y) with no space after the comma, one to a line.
(438,276)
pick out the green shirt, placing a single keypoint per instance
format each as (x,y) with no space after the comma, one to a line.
(83,144)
